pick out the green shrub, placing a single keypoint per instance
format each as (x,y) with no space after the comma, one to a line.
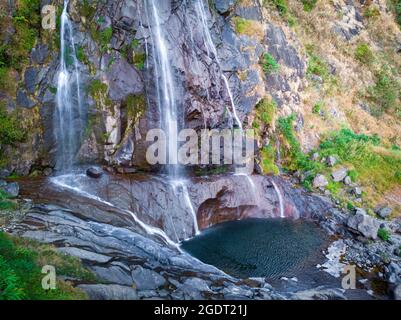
(268,158)
(11,130)
(317,108)
(385,94)
(309,5)
(20,272)
(383,234)
(269,64)
(265,111)
(5,203)
(364,54)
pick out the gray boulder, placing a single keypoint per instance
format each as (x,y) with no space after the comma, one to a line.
(94,172)
(24,101)
(365,224)
(331,161)
(384,212)
(339,175)
(320,181)
(146,279)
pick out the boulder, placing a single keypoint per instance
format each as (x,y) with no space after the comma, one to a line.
(24,101)
(384,212)
(94,172)
(146,279)
(331,161)
(3,183)
(363,223)
(339,175)
(320,181)
(39,54)
(347,181)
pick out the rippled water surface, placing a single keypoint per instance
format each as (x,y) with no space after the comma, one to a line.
(259,248)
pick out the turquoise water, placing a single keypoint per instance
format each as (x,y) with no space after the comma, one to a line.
(270,248)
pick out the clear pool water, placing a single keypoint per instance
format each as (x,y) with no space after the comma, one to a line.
(270,248)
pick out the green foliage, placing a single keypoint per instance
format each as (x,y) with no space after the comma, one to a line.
(316,65)
(385,93)
(280,5)
(269,64)
(21,277)
(383,234)
(11,130)
(295,158)
(136,106)
(105,38)
(139,60)
(5,204)
(309,5)
(317,108)
(364,54)
(265,111)
(87,9)
(396,7)
(99,92)
(26,21)
(374,166)
(268,156)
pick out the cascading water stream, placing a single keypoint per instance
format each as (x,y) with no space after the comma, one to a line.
(211,48)
(280,199)
(167,103)
(69,116)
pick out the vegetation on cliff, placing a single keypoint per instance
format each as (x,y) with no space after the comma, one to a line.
(21,263)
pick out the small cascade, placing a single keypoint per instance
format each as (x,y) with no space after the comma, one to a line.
(180,187)
(69,119)
(64,182)
(280,199)
(212,54)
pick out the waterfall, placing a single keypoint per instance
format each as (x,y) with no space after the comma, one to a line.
(280,199)
(212,54)
(167,102)
(69,116)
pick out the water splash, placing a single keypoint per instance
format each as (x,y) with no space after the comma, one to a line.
(69,117)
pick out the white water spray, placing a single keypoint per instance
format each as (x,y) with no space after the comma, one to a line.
(69,116)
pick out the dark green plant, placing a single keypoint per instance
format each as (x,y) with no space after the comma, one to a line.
(309,5)
(383,234)
(280,5)
(364,54)
(269,64)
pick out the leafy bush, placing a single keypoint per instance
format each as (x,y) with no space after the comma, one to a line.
(269,64)
(5,204)
(317,108)
(20,272)
(265,111)
(364,54)
(383,234)
(309,5)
